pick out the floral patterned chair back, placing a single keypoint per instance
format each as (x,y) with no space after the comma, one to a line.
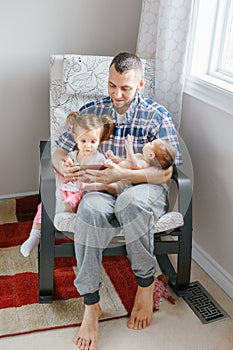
(78,79)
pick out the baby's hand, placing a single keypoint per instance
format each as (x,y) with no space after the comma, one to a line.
(129,138)
(129,142)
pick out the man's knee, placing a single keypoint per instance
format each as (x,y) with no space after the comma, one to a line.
(130,205)
(135,196)
(140,201)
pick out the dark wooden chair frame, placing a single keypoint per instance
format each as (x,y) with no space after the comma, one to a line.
(179,275)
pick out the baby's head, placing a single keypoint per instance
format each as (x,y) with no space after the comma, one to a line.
(160,153)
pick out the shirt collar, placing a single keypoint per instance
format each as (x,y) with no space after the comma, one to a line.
(130,111)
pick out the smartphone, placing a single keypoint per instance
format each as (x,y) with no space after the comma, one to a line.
(93,167)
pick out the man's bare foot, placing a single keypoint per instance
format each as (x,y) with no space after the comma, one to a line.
(87,336)
(142,312)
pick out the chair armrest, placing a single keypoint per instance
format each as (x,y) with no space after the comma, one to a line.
(47,179)
(184,186)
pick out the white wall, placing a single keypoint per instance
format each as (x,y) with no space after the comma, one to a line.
(31,30)
(207,132)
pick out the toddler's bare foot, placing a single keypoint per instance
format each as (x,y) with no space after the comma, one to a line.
(87,336)
(110,155)
(142,312)
(69,208)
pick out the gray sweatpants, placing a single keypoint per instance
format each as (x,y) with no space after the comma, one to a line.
(101,216)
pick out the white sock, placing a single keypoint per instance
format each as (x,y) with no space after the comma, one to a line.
(32,241)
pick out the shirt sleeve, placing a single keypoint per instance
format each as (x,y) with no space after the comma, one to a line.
(66,142)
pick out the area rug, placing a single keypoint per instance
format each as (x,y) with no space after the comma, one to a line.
(20,312)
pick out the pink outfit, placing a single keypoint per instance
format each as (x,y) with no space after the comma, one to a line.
(73,198)
(37,218)
(70,193)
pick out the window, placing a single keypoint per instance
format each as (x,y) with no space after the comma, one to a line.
(221,60)
(210,62)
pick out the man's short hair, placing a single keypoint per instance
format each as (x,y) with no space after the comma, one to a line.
(125,61)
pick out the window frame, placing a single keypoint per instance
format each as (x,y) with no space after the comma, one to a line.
(204,79)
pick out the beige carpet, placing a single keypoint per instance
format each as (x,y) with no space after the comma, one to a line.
(174,327)
(8,211)
(61,313)
(15,271)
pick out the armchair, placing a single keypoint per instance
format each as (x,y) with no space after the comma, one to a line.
(76,79)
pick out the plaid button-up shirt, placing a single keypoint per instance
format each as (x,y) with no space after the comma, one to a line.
(145,119)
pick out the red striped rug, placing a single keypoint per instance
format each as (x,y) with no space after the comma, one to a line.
(19,309)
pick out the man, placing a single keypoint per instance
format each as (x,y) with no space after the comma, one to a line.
(135,210)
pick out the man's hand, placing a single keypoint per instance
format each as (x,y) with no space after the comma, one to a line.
(72,172)
(64,166)
(112,174)
(115,173)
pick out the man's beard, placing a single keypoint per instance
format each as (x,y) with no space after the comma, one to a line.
(122,109)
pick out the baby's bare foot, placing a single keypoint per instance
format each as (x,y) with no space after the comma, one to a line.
(142,312)
(87,336)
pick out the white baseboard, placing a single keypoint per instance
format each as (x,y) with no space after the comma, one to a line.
(214,270)
(17,195)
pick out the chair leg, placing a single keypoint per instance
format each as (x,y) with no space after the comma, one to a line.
(167,268)
(46,259)
(179,277)
(184,257)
